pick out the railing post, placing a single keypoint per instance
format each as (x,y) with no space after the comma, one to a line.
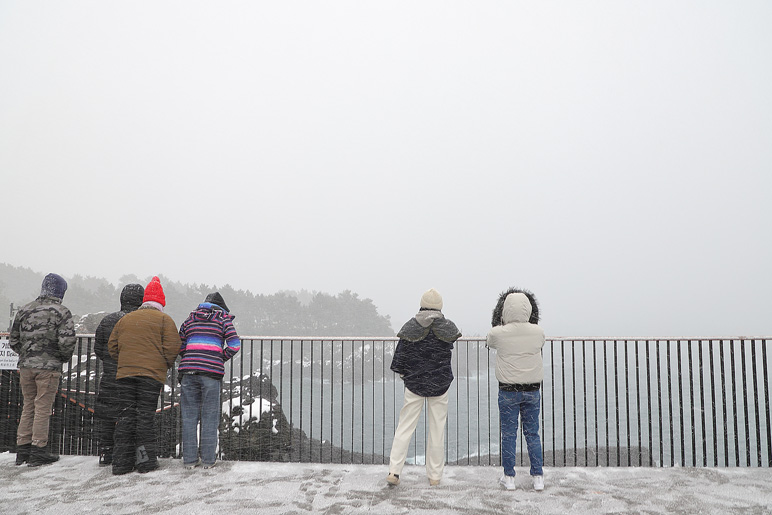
(734,405)
(756,403)
(723,404)
(713,404)
(745,404)
(766,401)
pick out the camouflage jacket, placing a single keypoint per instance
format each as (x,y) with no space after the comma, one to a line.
(43,334)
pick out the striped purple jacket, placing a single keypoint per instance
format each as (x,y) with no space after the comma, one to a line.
(208,341)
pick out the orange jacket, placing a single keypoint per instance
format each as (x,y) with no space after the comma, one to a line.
(145,343)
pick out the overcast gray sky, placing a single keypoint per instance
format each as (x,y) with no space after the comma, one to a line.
(613,157)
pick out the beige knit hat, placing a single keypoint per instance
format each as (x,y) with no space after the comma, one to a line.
(431,300)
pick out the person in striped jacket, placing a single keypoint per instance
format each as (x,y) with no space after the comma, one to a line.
(208,341)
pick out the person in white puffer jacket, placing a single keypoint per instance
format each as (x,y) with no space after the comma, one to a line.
(518,341)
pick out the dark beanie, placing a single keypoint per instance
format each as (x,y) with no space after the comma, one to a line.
(216,298)
(53,286)
(131,296)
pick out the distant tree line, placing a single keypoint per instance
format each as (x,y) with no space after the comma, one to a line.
(285,313)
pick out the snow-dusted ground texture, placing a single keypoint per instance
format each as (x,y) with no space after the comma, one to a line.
(77,485)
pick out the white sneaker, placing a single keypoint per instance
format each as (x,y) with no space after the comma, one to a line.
(507,482)
(538,483)
(392,479)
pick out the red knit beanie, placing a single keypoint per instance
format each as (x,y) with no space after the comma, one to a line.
(154,292)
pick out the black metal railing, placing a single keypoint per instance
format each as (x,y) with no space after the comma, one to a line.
(605,402)
(665,402)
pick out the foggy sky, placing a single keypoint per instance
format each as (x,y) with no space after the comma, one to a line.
(613,157)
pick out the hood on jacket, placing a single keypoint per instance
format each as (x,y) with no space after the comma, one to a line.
(209,311)
(54,285)
(216,298)
(517,308)
(426,321)
(426,317)
(131,297)
(498,311)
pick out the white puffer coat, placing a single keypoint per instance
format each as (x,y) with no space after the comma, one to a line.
(517,343)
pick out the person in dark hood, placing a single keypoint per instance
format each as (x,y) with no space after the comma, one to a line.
(43,335)
(106,408)
(145,343)
(208,341)
(422,359)
(518,341)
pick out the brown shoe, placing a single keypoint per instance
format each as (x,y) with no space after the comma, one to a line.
(434,482)
(392,479)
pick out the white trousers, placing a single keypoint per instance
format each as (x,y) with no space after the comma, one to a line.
(437,414)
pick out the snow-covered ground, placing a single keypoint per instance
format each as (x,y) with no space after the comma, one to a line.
(76,485)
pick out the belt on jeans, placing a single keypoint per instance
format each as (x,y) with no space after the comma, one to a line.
(520,387)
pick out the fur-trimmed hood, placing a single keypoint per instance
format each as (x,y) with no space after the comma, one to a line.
(498,312)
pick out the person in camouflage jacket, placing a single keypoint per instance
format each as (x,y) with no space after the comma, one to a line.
(43,335)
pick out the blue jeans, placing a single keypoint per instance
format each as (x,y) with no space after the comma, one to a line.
(527,406)
(199,402)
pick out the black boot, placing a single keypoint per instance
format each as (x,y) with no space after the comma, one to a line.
(22,453)
(40,456)
(148,466)
(145,461)
(106,457)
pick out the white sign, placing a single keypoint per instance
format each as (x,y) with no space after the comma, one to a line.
(9,360)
